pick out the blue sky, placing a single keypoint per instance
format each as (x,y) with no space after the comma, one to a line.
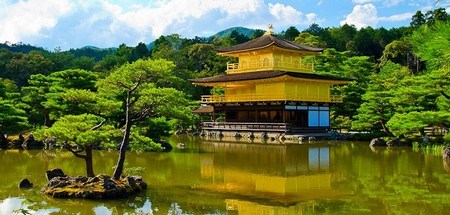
(109,23)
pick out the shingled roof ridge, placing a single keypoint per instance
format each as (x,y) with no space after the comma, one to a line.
(264,75)
(267,40)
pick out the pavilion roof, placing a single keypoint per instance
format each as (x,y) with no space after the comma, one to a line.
(264,75)
(267,40)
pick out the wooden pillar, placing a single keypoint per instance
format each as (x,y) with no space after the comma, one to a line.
(256,112)
(213,116)
(224,112)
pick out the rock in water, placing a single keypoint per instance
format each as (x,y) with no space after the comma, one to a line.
(31,143)
(98,187)
(446,153)
(377,142)
(167,147)
(54,173)
(394,142)
(25,183)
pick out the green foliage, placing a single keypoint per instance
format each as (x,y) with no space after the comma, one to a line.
(34,97)
(308,39)
(139,87)
(291,33)
(398,52)
(402,102)
(342,36)
(21,66)
(431,45)
(12,118)
(339,121)
(258,33)
(205,61)
(358,68)
(159,127)
(418,19)
(378,107)
(140,142)
(238,38)
(133,75)
(447,138)
(437,15)
(141,51)
(66,92)
(128,171)
(76,130)
(241,30)
(53,84)
(144,81)
(166,102)
(415,121)
(433,149)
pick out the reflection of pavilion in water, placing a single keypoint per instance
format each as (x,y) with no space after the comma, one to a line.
(274,179)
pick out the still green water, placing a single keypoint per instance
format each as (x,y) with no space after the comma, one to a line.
(244,178)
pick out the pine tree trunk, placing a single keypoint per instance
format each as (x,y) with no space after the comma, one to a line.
(386,129)
(89,163)
(47,121)
(125,142)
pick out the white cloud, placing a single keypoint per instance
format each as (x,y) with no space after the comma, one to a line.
(367,15)
(362,1)
(30,18)
(397,17)
(391,3)
(106,23)
(285,13)
(156,20)
(386,3)
(362,16)
(312,18)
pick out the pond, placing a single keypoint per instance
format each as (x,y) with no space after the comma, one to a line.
(215,177)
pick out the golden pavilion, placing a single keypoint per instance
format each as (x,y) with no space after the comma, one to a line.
(271,88)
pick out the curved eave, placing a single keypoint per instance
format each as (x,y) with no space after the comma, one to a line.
(237,52)
(281,78)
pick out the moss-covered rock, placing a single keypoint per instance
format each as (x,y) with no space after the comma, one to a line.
(98,187)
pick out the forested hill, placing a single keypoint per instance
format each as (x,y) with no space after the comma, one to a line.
(20,47)
(401,77)
(241,30)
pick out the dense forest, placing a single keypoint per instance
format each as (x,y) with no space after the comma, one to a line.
(89,96)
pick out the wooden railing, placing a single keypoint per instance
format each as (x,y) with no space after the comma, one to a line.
(269,98)
(245,126)
(268,64)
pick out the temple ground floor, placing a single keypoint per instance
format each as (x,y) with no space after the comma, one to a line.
(275,117)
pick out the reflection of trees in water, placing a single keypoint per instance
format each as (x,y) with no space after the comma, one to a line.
(19,164)
(446,164)
(398,180)
(387,181)
(81,206)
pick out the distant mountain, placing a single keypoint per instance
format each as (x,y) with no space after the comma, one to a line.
(241,30)
(20,47)
(150,45)
(100,53)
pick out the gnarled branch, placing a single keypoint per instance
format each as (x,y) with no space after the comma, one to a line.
(99,125)
(76,153)
(445,95)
